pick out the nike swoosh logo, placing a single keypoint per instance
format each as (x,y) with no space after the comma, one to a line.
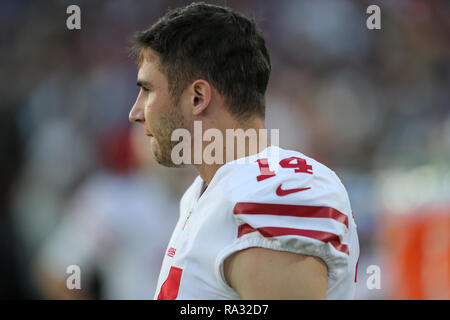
(281,192)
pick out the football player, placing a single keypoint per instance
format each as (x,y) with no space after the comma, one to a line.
(268,224)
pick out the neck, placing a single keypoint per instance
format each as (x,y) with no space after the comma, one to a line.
(255,141)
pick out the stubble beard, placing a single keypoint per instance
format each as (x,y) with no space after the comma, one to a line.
(162,151)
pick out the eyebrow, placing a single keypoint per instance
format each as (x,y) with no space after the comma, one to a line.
(143,83)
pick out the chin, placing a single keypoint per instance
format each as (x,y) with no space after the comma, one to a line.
(166,162)
(163,159)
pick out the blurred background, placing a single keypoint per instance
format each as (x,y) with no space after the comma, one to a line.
(78,184)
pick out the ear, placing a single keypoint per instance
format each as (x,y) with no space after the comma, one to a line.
(200,96)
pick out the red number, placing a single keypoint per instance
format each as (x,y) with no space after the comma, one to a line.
(170,287)
(299,164)
(264,169)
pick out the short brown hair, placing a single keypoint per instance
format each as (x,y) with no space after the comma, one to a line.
(214,43)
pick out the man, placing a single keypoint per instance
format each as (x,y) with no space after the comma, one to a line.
(277,225)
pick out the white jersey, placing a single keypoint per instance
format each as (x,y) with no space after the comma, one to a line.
(277,199)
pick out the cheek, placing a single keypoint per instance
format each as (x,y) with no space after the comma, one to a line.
(156,114)
(153,143)
(186,112)
(151,110)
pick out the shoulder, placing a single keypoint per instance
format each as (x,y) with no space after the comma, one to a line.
(290,202)
(281,176)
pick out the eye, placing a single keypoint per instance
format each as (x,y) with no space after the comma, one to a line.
(143,87)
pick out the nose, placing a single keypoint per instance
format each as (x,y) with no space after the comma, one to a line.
(136,113)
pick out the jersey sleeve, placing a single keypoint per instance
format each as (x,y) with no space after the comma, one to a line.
(300,212)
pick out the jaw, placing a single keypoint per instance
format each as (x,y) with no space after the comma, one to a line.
(162,155)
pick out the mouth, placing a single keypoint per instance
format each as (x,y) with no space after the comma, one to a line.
(148,134)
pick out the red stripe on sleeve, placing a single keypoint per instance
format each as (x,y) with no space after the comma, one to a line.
(290,210)
(270,232)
